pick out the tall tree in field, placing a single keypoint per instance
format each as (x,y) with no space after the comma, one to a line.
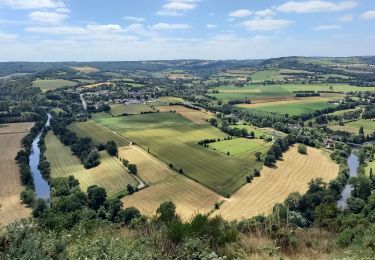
(112,148)
(97,196)
(361,131)
(257,155)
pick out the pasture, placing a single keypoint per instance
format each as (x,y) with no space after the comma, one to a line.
(258,132)
(98,133)
(259,91)
(275,184)
(265,75)
(189,196)
(131,109)
(110,174)
(291,107)
(10,182)
(173,139)
(46,84)
(195,116)
(353,127)
(241,147)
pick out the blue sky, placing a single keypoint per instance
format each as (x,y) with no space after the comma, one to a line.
(69,30)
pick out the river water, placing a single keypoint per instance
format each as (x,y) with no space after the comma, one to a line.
(42,188)
(353,164)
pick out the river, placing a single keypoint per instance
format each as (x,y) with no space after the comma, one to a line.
(42,188)
(353,164)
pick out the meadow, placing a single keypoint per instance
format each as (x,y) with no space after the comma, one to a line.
(292,174)
(173,139)
(110,174)
(241,147)
(10,182)
(291,107)
(259,91)
(46,84)
(98,133)
(131,109)
(353,127)
(164,184)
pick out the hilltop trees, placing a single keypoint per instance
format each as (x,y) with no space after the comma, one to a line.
(97,196)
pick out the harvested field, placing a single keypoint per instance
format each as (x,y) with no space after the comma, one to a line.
(189,196)
(275,184)
(195,116)
(131,109)
(86,69)
(10,183)
(98,84)
(110,174)
(171,99)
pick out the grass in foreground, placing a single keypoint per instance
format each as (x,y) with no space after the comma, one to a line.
(275,184)
(110,174)
(46,84)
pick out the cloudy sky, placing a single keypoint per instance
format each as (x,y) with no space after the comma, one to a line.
(67,30)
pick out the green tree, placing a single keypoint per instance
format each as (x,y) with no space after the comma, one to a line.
(133,169)
(258,155)
(39,207)
(97,196)
(167,212)
(302,149)
(361,131)
(112,148)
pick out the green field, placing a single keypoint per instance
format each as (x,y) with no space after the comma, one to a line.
(353,127)
(110,174)
(241,147)
(133,109)
(173,139)
(370,165)
(292,108)
(99,134)
(264,75)
(250,128)
(46,84)
(285,90)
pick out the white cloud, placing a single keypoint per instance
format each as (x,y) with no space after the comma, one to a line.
(327,27)
(314,6)
(240,13)
(7,37)
(32,4)
(62,10)
(346,18)
(47,17)
(266,24)
(58,30)
(265,12)
(177,7)
(169,26)
(368,15)
(211,26)
(135,19)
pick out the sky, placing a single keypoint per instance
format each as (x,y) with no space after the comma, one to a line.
(107,30)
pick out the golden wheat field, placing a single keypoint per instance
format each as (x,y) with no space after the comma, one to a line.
(189,196)
(10,183)
(275,184)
